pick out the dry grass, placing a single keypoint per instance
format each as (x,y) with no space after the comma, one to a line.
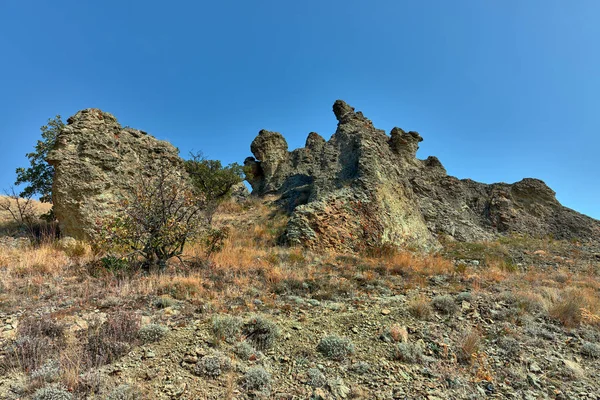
(420,307)
(575,306)
(468,346)
(252,267)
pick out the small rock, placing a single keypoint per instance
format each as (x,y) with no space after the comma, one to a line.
(385,311)
(534,367)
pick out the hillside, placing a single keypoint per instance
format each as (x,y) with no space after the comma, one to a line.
(516,317)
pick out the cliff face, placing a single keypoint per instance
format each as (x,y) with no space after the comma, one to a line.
(364,188)
(97,163)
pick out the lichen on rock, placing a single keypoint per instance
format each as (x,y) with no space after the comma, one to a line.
(363,188)
(97,163)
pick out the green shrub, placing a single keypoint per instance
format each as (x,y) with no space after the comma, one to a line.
(115,264)
(40,175)
(213,365)
(125,392)
(227,328)
(360,368)
(590,350)
(244,351)
(257,379)
(52,393)
(408,353)
(335,347)
(156,222)
(316,378)
(164,302)
(152,333)
(48,372)
(212,180)
(214,240)
(445,304)
(261,332)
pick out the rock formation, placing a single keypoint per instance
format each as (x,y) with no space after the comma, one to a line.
(364,188)
(97,162)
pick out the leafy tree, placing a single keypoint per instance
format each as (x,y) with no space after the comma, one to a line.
(39,175)
(212,180)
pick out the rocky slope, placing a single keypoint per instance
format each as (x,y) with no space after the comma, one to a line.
(363,188)
(97,163)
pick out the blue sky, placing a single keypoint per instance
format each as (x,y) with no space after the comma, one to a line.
(500,90)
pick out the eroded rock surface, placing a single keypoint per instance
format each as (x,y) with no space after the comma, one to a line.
(364,188)
(97,163)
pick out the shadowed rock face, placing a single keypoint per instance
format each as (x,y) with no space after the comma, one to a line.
(97,163)
(364,188)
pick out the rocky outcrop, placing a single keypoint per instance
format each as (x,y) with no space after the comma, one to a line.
(97,163)
(363,188)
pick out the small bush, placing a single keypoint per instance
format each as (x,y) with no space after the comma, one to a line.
(49,372)
(38,339)
(408,353)
(360,367)
(161,215)
(510,346)
(335,347)
(214,240)
(445,304)
(244,351)
(52,393)
(125,392)
(464,296)
(316,378)
(164,302)
(257,379)
(114,264)
(568,309)
(590,350)
(261,332)
(213,365)
(227,328)
(419,308)
(152,333)
(112,339)
(468,346)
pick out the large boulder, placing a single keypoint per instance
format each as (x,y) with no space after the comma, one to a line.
(363,188)
(97,163)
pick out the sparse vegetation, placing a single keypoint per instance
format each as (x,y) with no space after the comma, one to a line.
(244,351)
(156,223)
(257,379)
(335,347)
(213,365)
(253,297)
(52,393)
(261,332)
(407,352)
(316,378)
(420,307)
(591,350)
(468,346)
(227,328)
(152,333)
(445,304)
(125,392)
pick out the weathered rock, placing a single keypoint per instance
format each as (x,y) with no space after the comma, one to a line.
(363,188)
(97,163)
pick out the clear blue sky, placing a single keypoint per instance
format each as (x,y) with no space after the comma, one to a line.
(500,90)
